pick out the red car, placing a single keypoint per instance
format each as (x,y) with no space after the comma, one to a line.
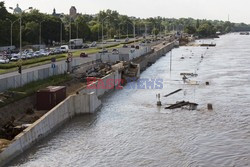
(83,55)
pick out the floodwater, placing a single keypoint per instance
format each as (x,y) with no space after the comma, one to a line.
(130,131)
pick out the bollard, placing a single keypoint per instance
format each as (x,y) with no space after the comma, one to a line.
(158,103)
(209,106)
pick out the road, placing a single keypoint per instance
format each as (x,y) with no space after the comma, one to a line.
(83,60)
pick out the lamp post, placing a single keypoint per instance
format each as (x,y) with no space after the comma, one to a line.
(120,31)
(61,28)
(40,34)
(30,8)
(11,30)
(145,29)
(133,24)
(102,31)
(70,32)
(77,30)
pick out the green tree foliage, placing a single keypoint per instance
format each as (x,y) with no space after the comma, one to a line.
(90,27)
(190,29)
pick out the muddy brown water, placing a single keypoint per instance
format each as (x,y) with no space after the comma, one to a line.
(131,131)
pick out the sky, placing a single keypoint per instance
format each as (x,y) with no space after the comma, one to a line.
(237,10)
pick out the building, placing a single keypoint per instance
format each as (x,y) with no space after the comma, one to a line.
(73,12)
(56,14)
(17,10)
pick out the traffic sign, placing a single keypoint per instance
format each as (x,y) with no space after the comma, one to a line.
(53,65)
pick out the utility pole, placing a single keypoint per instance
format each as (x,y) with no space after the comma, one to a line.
(40,34)
(77,30)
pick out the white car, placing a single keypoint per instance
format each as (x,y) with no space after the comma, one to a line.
(36,54)
(29,55)
(45,53)
(64,48)
(94,44)
(4,61)
(14,58)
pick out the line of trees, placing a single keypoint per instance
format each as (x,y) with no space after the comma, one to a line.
(90,27)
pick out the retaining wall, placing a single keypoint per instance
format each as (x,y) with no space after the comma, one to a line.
(151,58)
(73,105)
(19,80)
(86,101)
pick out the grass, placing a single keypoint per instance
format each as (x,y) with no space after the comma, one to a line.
(33,87)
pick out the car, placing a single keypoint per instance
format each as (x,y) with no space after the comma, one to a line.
(83,55)
(64,49)
(23,57)
(85,46)
(132,46)
(127,40)
(94,44)
(58,51)
(125,46)
(15,58)
(4,61)
(36,54)
(104,51)
(137,47)
(44,53)
(29,55)
(115,51)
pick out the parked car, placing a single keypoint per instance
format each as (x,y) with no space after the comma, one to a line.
(64,49)
(85,46)
(83,55)
(15,58)
(104,51)
(94,44)
(36,54)
(127,40)
(132,46)
(125,46)
(58,51)
(23,57)
(29,55)
(4,61)
(115,51)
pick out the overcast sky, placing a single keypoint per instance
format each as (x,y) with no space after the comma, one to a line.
(239,10)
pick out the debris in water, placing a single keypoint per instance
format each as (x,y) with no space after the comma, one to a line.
(209,106)
(173,93)
(191,106)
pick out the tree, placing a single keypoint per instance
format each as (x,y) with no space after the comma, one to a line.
(190,29)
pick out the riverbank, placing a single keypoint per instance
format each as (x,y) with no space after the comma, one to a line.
(131,130)
(14,150)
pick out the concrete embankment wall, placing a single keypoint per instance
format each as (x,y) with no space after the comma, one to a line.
(73,105)
(114,78)
(19,80)
(86,101)
(159,52)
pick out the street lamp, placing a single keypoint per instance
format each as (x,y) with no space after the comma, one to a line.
(40,34)
(77,27)
(30,8)
(70,32)
(133,24)
(145,29)
(61,28)
(120,31)
(102,31)
(11,29)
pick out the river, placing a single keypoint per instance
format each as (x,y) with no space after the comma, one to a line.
(131,131)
